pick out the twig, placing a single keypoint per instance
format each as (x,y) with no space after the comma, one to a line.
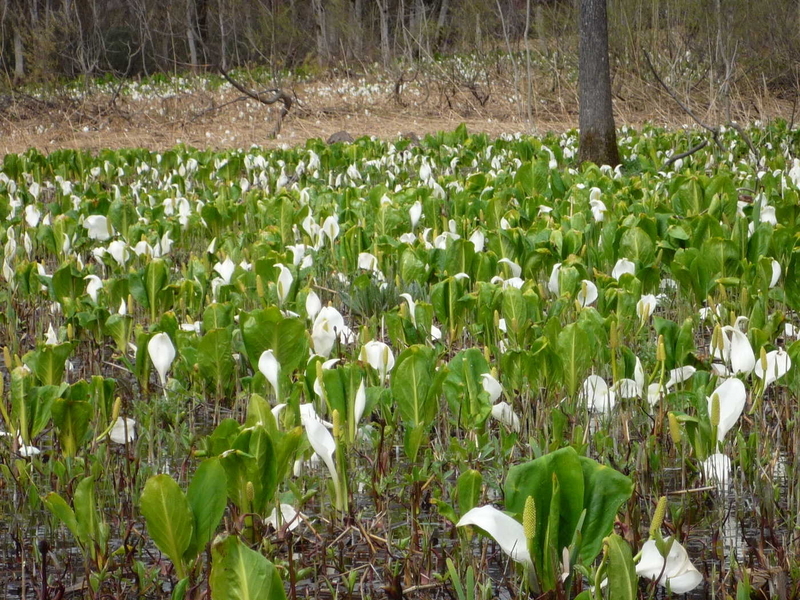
(279,96)
(689,152)
(714,131)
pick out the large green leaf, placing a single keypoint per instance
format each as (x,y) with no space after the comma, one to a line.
(71,418)
(207,496)
(605,490)
(575,350)
(48,362)
(791,281)
(417,402)
(238,573)
(636,245)
(215,359)
(268,329)
(156,277)
(622,577)
(463,388)
(169,518)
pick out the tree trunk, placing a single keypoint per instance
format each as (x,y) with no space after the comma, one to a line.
(383,9)
(19,54)
(598,143)
(190,33)
(322,30)
(223,38)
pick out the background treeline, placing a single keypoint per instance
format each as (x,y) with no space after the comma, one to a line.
(51,39)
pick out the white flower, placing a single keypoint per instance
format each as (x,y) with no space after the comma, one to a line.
(587,294)
(623,266)
(97,227)
(732,398)
(778,364)
(415,212)
(776,273)
(285,281)
(503,412)
(118,251)
(717,468)
(598,397)
(506,531)
(679,572)
(225,270)
(646,305)
(313,304)
(330,227)
(328,326)
(553,284)
(367,261)
(270,368)
(95,285)
(478,239)
(492,387)
(123,431)
(162,353)
(32,215)
(516,270)
(379,356)
(679,375)
(287,515)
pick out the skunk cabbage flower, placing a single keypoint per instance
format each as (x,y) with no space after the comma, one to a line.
(598,397)
(97,227)
(506,531)
(95,285)
(367,261)
(503,412)
(379,356)
(516,270)
(162,353)
(328,326)
(270,368)
(492,387)
(123,431)
(679,375)
(225,270)
(330,227)
(778,364)
(324,445)
(313,304)
(622,267)
(436,333)
(51,339)
(679,572)
(587,294)
(415,212)
(478,239)
(287,515)
(776,273)
(646,306)
(717,468)
(32,215)
(732,397)
(285,281)
(552,283)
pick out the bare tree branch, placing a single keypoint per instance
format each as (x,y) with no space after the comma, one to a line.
(278,95)
(689,152)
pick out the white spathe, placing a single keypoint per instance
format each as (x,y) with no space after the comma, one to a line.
(284,284)
(622,267)
(778,364)
(162,353)
(646,306)
(678,572)
(270,368)
(717,469)
(379,356)
(97,228)
(732,398)
(313,304)
(95,285)
(505,530)
(503,412)
(123,431)
(587,294)
(225,270)
(492,387)
(552,283)
(598,397)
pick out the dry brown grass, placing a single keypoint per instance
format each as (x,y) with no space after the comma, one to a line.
(323,108)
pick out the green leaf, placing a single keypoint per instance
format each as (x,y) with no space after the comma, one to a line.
(469,487)
(463,388)
(48,362)
(238,573)
(411,382)
(64,513)
(169,518)
(622,577)
(71,418)
(605,491)
(207,496)
(215,359)
(267,329)
(575,350)
(636,245)
(156,277)
(86,513)
(791,282)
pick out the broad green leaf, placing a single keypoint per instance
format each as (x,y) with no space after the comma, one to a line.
(48,362)
(238,573)
(215,359)
(169,518)
(207,496)
(605,491)
(71,418)
(575,350)
(622,577)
